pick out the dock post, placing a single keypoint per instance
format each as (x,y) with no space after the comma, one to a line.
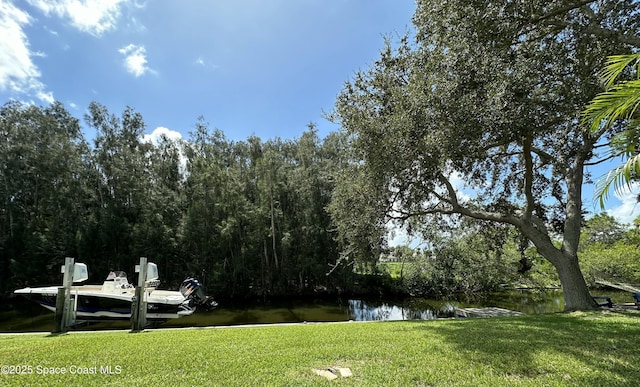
(64,317)
(59,317)
(139,304)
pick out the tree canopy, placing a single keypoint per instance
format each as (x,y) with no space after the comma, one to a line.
(490,93)
(247,217)
(475,115)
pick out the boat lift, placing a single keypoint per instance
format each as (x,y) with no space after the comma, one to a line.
(67,302)
(139,302)
(191,294)
(65,308)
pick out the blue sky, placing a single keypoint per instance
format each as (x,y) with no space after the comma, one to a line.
(250,67)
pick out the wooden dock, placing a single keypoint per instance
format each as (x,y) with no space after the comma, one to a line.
(619,285)
(486,312)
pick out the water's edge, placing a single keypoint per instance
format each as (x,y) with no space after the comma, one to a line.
(29,317)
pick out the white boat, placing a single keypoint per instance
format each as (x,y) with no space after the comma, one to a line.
(113,299)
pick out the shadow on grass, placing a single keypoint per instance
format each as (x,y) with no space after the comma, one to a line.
(583,349)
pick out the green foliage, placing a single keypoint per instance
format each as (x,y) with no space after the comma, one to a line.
(602,228)
(587,349)
(248,218)
(470,257)
(43,158)
(485,97)
(632,237)
(256,218)
(466,264)
(609,251)
(620,262)
(615,107)
(357,209)
(394,269)
(542,274)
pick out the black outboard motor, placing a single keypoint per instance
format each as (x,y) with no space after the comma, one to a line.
(194,292)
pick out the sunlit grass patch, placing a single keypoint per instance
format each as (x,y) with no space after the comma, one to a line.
(551,350)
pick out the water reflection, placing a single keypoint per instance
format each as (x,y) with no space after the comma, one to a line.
(28,317)
(364,310)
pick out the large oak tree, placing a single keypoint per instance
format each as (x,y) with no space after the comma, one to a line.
(489,91)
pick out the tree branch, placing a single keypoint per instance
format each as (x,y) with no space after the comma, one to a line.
(528,176)
(544,156)
(598,162)
(453,197)
(593,29)
(561,11)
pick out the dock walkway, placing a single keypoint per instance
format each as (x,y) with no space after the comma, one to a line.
(619,285)
(486,312)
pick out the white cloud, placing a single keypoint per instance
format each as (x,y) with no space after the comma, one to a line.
(135,60)
(135,25)
(173,136)
(49,30)
(46,96)
(629,209)
(18,73)
(205,64)
(92,16)
(154,137)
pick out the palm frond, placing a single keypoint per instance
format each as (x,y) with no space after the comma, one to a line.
(619,102)
(603,186)
(620,178)
(615,66)
(626,142)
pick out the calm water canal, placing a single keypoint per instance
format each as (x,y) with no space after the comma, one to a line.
(27,317)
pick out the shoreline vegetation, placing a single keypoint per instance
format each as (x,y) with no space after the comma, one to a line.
(559,349)
(249,219)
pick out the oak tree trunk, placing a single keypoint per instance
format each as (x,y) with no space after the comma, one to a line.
(575,290)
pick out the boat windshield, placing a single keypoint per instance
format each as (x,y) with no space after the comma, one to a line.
(116,274)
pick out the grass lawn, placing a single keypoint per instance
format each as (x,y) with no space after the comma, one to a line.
(393,268)
(578,349)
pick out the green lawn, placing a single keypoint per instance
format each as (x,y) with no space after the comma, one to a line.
(579,349)
(393,268)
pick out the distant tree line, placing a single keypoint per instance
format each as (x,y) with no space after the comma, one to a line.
(251,219)
(248,218)
(479,258)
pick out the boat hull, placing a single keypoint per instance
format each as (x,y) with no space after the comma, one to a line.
(92,305)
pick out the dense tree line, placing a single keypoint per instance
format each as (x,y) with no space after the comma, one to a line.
(247,217)
(485,93)
(250,218)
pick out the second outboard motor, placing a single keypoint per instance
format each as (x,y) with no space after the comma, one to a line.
(194,292)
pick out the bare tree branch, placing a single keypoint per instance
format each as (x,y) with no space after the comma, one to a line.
(600,161)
